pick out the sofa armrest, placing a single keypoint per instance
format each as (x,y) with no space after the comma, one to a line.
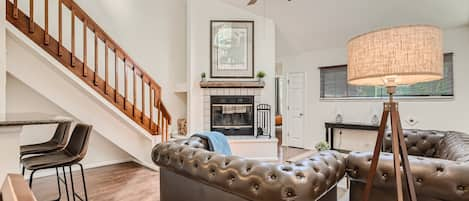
(437,178)
(254,180)
(419,142)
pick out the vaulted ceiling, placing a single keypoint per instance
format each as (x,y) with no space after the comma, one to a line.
(305,25)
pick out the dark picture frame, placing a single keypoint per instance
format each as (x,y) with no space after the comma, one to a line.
(231,49)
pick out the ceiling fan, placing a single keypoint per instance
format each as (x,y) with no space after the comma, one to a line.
(252,2)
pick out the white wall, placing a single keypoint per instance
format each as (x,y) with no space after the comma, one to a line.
(200,12)
(430,114)
(152,32)
(21,98)
(2,59)
(26,61)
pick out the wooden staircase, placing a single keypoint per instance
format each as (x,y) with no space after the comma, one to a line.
(112,72)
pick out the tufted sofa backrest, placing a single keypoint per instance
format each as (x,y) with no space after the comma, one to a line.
(194,142)
(447,145)
(455,147)
(419,142)
(251,179)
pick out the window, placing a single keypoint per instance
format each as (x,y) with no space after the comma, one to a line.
(334,85)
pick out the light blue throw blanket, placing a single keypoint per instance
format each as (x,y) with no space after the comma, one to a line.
(217,142)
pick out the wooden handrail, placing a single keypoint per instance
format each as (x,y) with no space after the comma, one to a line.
(132,72)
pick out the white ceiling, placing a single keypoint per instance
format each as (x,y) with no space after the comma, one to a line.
(305,25)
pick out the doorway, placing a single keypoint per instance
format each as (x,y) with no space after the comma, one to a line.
(296,94)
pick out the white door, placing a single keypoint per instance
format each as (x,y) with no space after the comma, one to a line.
(295,108)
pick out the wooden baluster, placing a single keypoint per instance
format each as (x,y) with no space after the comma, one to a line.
(106,68)
(158,125)
(96,66)
(31,16)
(116,75)
(165,130)
(126,90)
(143,100)
(85,49)
(15,9)
(151,105)
(134,101)
(60,28)
(46,22)
(162,131)
(73,37)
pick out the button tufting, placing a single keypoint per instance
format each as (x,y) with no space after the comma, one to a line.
(419,180)
(273,177)
(290,192)
(232,178)
(287,169)
(255,187)
(300,175)
(316,169)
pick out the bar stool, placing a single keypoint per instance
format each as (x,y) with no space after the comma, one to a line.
(56,143)
(73,153)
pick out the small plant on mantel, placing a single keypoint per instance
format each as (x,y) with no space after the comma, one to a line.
(203,76)
(322,146)
(260,75)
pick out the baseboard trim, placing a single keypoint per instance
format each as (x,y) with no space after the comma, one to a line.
(50,172)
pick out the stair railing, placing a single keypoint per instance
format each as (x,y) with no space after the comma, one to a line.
(104,66)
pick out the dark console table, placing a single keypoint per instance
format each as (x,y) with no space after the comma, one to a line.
(330,126)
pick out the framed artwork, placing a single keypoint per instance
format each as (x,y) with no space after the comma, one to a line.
(232,49)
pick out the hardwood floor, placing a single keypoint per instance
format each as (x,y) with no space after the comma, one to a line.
(124,182)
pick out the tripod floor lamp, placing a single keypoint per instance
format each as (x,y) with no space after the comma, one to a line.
(390,57)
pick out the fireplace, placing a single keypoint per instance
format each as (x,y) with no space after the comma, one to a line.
(232,115)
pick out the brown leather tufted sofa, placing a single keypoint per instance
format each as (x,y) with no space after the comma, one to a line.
(439,164)
(190,173)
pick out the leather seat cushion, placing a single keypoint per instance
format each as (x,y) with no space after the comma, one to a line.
(48,161)
(45,147)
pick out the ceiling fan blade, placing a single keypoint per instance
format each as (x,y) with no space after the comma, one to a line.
(251,2)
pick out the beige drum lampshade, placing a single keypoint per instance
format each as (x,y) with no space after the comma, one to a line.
(396,56)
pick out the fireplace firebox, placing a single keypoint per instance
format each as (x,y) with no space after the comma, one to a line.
(232,115)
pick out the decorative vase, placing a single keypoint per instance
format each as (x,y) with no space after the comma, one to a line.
(375,120)
(339,118)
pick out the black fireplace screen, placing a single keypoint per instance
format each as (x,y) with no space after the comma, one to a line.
(232,115)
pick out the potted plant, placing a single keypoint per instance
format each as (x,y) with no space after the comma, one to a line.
(260,75)
(322,146)
(203,76)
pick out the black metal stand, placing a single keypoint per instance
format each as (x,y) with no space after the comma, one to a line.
(264,122)
(63,180)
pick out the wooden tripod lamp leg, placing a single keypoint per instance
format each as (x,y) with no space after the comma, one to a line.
(405,161)
(377,150)
(396,152)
